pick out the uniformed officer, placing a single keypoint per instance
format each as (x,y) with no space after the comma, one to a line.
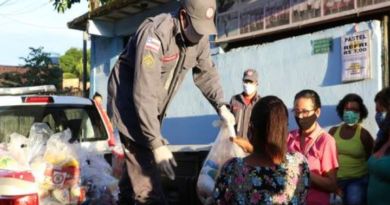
(143,82)
(242,104)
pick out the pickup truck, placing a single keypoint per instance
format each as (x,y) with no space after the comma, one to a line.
(23,107)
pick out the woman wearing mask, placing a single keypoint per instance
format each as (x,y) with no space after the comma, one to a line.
(354,146)
(317,145)
(379,163)
(269,175)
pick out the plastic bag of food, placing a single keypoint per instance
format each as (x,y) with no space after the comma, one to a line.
(97,176)
(26,149)
(63,168)
(72,195)
(222,150)
(38,167)
(38,136)
(8,162)
(17,149)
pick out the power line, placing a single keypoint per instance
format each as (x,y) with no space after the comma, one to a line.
(27,11)
(32,24)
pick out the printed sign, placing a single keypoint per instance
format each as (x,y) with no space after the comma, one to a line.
(324,45)
(355,53)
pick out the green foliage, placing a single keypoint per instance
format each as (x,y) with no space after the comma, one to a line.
(33,77)
(69,75)
(39,71)
(37,58)
(11,79)
(72,62)
(44,76)
(62,5)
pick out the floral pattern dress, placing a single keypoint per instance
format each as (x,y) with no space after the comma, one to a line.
(239,183)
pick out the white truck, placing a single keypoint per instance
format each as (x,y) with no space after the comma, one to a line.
(21,107)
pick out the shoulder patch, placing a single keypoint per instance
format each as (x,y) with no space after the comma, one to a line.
(152,44)
(148,61)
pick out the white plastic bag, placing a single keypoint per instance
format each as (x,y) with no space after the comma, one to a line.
(97,177)
(39,135)
(63,167)
(222,150)
(17,148)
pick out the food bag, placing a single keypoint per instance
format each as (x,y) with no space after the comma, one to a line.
(222,150)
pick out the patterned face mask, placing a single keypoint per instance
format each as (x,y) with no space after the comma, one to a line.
(379,118)
(351,117)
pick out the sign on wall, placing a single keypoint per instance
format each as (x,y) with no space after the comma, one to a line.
(324,45)
(238,19)
(355,55)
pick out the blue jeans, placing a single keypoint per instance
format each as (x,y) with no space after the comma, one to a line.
(354,190)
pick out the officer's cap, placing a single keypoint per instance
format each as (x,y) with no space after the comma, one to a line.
(250,74)
(202,14)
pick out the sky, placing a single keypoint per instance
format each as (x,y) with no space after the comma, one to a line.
(35,23)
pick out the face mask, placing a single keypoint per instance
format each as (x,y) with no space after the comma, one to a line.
(306,122)
(190,34)
(379,118)
(351,117)
(249,88)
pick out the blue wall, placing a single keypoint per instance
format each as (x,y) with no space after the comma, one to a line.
(104,52)
(285,67)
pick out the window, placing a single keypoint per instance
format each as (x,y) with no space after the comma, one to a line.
(84,122)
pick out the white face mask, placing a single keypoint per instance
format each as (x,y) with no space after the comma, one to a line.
(249,88)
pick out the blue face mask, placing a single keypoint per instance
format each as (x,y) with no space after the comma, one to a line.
(379,118)
(351,118)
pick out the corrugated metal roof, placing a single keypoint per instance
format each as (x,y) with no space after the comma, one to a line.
(114,11)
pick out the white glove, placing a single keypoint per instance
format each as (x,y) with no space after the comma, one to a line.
(227,116)
(164,160)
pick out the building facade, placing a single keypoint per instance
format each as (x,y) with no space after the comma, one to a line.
(303,45)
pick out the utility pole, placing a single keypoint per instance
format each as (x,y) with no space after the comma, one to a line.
(85,38)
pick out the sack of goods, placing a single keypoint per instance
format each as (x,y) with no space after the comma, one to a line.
(222,150)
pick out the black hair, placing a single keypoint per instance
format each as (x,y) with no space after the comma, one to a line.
(352,97)
(96,95)
(383,98)
(309,94)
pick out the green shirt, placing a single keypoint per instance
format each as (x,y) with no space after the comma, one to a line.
(378,192)
(351,154)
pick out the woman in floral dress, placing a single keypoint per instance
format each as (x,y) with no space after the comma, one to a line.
(269,175)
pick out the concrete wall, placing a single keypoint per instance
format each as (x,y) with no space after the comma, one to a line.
(285,67)
(104,52)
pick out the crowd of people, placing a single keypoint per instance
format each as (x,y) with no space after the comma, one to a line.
(345,161)
(297,167)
